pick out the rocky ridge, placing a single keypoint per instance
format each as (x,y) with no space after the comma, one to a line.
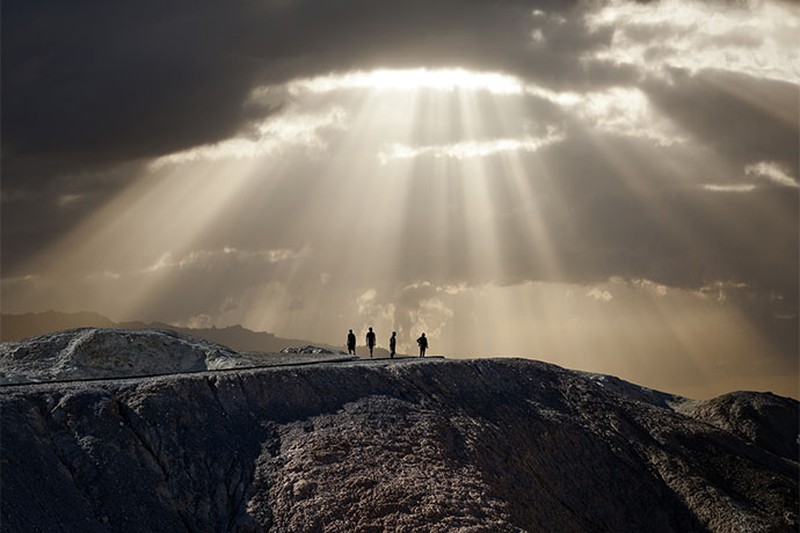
(409,445)
(91,353)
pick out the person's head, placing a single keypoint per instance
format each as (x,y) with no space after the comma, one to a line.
(370,329)
(394,333)
(351,331)
(423,333)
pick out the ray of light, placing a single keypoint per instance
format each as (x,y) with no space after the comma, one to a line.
(479,186)
(430,214)
(539,253)
(150,226)
(668,339)
(355,213)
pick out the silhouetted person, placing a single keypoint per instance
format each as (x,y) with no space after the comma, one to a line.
(392,344)
(351,342)
(423,345)
(370,341)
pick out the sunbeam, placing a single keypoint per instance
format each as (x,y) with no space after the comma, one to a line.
(579,215)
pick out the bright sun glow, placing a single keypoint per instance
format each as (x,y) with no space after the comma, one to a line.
(398,199)
(411,79)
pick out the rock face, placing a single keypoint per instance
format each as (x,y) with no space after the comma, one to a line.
(413,445)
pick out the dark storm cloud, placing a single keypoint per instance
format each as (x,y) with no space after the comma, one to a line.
(36,215)
(743,118)
(88,85)
(91,81)
(94,81)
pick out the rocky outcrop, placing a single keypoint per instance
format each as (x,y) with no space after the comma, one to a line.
(16,327)
(760,418)
(97,353)
(410,445)
(91,353)
(311,349)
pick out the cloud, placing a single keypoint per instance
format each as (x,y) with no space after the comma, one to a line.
(94,96)
(739,118)
(200,321)
(372,311)
(206,260)
(409,310)
(600,295)
(660,290)
(740,187)
(275,134)
(77,88)
(628,112)
(524,143)
(430,317)
(753,38)
(470,149)
(773,172)
(448,79)
(106,83)
(719,290)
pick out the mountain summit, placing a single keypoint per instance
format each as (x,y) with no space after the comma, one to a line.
(405,445)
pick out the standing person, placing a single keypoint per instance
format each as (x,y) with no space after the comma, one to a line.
(351,343)
(392,344)
(423,345)
(370,341)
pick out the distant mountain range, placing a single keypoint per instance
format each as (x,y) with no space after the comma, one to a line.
(21,326)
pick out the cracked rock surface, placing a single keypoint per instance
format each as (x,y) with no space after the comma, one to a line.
(417,445)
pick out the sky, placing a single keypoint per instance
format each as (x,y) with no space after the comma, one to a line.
(608,186)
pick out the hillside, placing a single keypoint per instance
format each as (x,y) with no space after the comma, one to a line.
(89,353)
(406,445)
(14,327)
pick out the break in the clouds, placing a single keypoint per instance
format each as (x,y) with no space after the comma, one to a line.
(545,178)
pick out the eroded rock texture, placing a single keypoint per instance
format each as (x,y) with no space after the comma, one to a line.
(479,445)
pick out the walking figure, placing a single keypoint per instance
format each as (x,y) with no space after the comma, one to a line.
(423,345)
(351,342)
(392,344)
(370,341)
